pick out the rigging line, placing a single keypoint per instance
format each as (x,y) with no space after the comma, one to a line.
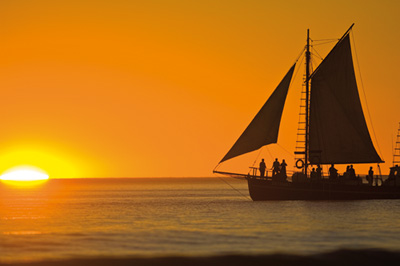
(298,57)
(313,61)
(297,71)
(325,42)
(237,190)
(270,154)
(258,155)
(365,96)
(316,52)
(215,168)
(380,173)
(286,150)
(316,56)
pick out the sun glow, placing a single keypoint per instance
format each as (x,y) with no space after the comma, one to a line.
(24,174)
(57,160)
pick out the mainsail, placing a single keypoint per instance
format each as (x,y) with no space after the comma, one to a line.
(264,128)
(338,132)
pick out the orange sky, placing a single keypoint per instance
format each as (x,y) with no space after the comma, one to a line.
(164,88)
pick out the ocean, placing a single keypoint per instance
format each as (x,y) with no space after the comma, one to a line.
(65,219)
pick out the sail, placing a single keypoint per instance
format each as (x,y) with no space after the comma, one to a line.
(338,132)
(264,128)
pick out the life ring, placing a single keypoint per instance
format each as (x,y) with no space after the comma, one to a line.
(299,163)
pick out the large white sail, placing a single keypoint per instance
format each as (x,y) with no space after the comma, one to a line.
(338,131)
(264,128)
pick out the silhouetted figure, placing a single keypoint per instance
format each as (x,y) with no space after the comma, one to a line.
(283,169)
(352,172)
(275,167)
(392,172)
(319,172)
(313,175)
(262,168)
(347,173)
(332,172)
(370,176)
(397,169)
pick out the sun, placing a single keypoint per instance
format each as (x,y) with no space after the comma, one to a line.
(24,174)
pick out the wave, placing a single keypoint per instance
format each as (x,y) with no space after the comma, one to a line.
(364,257)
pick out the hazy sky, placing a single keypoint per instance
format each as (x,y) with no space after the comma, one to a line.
(164,88)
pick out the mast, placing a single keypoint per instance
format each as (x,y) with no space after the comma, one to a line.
(396,150)
(307,101)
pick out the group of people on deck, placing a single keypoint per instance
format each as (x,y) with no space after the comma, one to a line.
(350,174)
(277,168)
(316,174)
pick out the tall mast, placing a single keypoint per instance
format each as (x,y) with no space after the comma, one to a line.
(396,150)
(308,58)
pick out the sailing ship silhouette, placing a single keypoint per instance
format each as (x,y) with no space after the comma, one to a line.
(335,132)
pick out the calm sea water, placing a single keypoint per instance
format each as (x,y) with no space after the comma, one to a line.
(203,216)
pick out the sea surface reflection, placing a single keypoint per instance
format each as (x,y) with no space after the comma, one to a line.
(203,216)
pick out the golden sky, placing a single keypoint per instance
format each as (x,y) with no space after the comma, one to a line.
(164,88)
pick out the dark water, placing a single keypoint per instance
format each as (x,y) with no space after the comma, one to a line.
(190,217)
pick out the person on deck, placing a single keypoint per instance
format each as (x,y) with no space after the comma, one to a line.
(283,169)
(319,172)
(352,172)
(313,175)
(332,172)
(262,168)
(347,173)
(392,172)
(275,167)
(370,176)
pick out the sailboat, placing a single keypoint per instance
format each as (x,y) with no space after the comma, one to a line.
(335,132)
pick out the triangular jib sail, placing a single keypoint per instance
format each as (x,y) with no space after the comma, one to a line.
(338,131)
(264,128)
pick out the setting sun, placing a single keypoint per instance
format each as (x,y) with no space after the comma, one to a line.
(24,174)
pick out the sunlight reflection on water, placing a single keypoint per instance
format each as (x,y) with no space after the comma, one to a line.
(75,218)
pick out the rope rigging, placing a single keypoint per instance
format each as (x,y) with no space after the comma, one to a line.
(237,190)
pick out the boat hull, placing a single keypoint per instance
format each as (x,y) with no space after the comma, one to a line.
(263,190)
